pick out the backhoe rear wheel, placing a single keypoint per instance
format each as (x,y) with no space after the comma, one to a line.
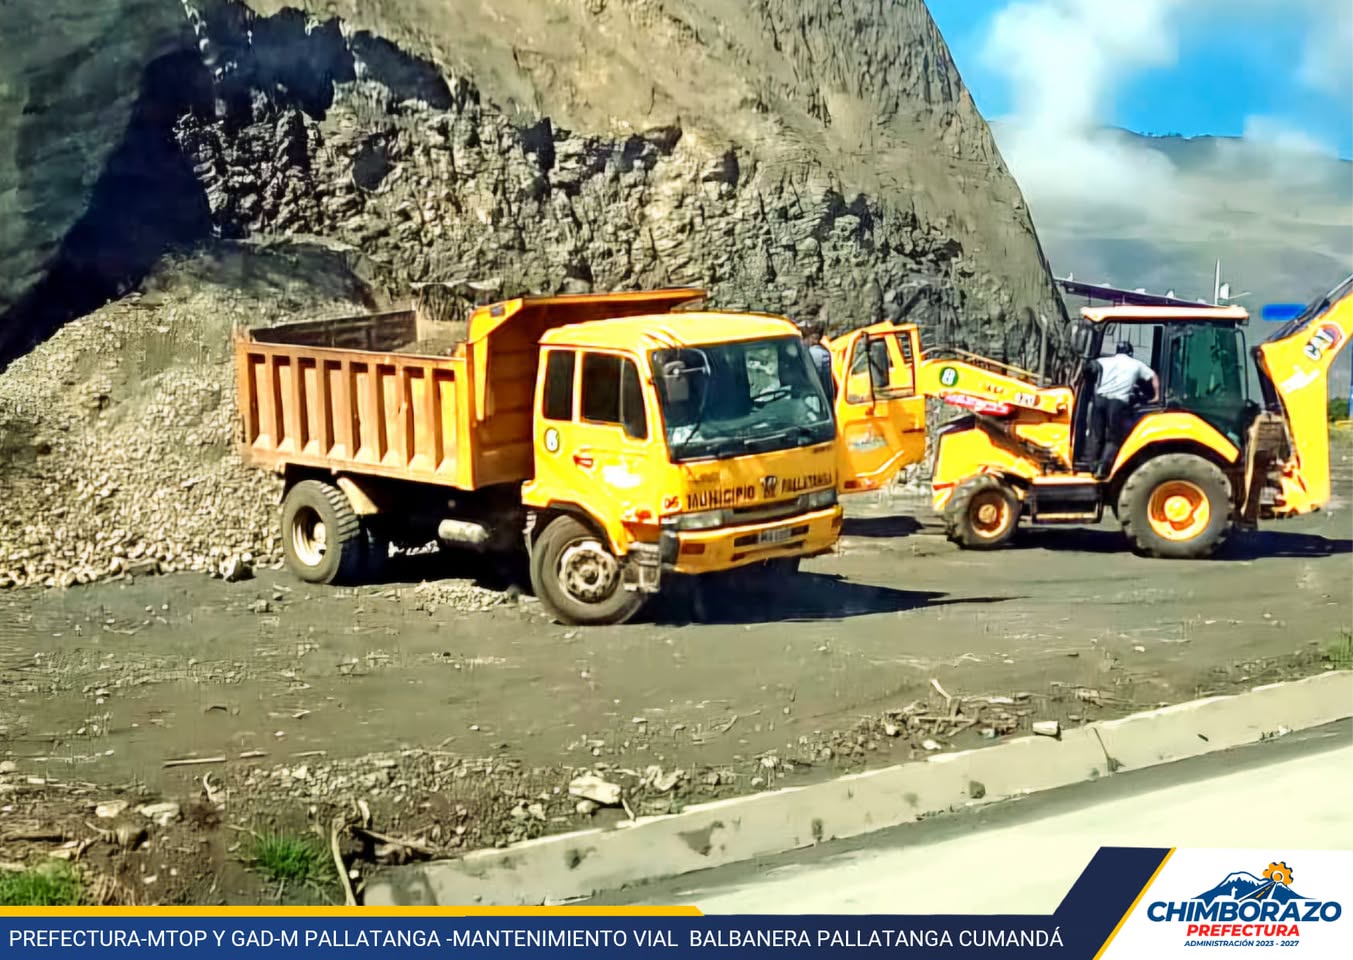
(1176,506)
(577,579)
(322,537)
(983,513)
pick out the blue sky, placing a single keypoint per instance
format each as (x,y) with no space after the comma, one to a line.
(1232,61)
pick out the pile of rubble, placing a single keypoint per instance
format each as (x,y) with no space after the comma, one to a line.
(117,436)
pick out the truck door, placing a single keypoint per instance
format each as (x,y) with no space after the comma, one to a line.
(880,415)
(597,452)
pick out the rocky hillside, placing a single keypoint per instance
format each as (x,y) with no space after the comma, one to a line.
(811,157)
(173,169)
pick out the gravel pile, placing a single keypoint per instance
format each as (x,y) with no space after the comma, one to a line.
(117,435)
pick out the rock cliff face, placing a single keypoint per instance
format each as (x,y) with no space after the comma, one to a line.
(84,98)
(817,158)
(811,157)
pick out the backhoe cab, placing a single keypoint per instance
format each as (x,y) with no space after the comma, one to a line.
(1204,457)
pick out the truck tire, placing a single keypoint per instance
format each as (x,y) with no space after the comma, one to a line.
(322,538)
(1176,506)
(983,514)
(577,578)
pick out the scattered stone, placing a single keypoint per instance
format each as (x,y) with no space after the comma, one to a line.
(591,787)
(931,745)
(1047,728)
(656,779)
(8,766)
(111,809)
(129,836)
(236,569)
(161,814)
(586,807)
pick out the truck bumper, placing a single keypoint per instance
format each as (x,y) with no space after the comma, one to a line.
(710,551)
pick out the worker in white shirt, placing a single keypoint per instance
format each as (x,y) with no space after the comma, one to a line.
(1116,378)
(821,357)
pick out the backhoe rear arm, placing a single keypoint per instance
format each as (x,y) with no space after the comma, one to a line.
(1296,361)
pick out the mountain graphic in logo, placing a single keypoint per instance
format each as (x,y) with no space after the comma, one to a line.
(1275,885)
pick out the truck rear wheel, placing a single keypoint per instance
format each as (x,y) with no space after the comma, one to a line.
(577,578)
(322,538)
(1176,506)
(983,514)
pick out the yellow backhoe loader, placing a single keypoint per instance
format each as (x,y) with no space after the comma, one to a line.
(1205,456)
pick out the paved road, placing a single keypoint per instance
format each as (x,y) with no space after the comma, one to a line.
(1023,857)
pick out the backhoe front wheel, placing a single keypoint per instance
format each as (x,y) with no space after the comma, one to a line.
(983,513)
(577,578)
(1176,506)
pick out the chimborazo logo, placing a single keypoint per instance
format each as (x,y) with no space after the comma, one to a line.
(1244,906)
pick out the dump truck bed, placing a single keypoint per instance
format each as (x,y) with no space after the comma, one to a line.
(350,395)
(336,395)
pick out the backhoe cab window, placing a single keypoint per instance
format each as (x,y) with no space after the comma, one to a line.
(735,399)
(1206,376)
(1142,336)
(612,394)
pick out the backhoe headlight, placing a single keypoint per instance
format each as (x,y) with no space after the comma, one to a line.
(704,520)
(820,499)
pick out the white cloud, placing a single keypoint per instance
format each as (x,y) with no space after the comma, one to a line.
(1067,59)
(1285,137)
(1327,62)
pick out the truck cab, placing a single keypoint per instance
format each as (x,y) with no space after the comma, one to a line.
(684,443)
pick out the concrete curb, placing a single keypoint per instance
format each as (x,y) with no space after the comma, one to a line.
(584,863)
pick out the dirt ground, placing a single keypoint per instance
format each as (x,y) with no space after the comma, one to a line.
(458,730)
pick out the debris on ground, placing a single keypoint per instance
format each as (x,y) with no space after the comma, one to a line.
(591,787)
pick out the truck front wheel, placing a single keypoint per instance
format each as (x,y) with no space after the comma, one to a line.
(322,538)
(577,578)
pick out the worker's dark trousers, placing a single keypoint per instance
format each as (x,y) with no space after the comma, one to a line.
(1108,430)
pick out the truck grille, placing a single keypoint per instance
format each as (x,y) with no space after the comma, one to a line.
(765,512)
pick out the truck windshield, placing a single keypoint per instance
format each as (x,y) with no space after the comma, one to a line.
(732,399)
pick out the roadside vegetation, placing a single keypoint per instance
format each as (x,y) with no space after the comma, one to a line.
(1340,652)
(52,885)
(291,860)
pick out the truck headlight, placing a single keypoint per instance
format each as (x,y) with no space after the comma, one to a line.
(704,520)
(820,499)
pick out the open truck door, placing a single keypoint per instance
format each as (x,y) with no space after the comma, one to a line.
(880,413)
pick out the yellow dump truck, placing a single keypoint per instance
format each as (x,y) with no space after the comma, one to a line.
(620,437)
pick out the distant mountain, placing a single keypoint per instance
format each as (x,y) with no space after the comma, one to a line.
(1279,219)
(1246,886)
